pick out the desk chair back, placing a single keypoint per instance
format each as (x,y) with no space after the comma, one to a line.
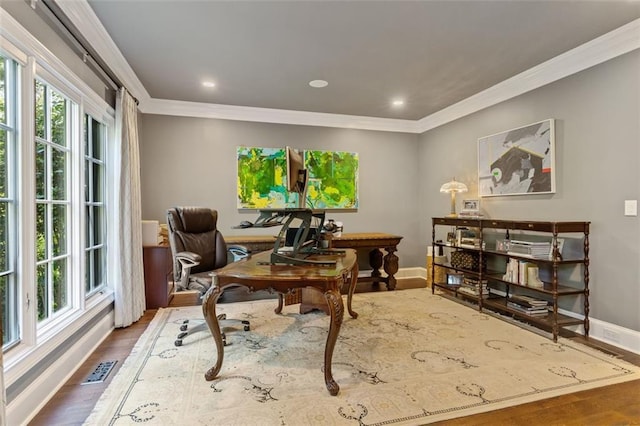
(194,230)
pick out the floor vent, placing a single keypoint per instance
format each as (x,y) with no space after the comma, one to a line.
(100,373)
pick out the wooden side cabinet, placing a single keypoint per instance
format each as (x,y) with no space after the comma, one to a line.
(158,276)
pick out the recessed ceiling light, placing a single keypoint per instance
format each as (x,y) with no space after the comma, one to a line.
(208,84)
(318,83)
(397,102)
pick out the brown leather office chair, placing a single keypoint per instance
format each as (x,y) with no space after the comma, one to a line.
(198,248)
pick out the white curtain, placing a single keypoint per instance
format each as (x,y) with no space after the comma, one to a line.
(129,279)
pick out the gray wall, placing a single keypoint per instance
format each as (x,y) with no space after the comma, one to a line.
(191,161)
(597,116)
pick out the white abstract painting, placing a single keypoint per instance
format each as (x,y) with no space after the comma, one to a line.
(518,161)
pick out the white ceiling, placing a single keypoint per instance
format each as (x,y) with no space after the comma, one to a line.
(262,54)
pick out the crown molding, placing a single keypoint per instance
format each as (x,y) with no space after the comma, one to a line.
(85,20)
(608,46)
(267,115)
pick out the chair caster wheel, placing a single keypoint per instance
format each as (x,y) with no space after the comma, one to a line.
(178,342)
(182,335)
(247,328)
(183,327)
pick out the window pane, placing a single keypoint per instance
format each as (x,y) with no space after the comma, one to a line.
(4,160)
(4,237)
(87,167)
(59,284)
(99,259)
(59,170)
(41,232)
(97,151)
(98,225)
(88,240)
(59,220)
(85,135)
(40,115)
(41,167)
(43,292)
(8,298)
(98,182)
(58,119)
(3,90)
(87,272)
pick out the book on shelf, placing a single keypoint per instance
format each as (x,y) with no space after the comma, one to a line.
(521,298)
(473,292)
(528,311)
(475,287)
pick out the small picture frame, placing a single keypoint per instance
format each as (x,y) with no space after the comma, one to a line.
(470,208)
(455,279)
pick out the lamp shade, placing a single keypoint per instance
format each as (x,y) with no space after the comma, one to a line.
(454,186)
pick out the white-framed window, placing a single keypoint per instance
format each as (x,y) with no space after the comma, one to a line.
(54,116)
(54,195)
(95,152)
(9,84)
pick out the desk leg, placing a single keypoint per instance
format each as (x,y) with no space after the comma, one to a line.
(278,309)
(334,300)
(352,287)
(391,267)
(209,310)
(375,261)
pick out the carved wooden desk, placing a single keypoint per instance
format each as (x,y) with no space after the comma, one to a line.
(374,241)
(256,274)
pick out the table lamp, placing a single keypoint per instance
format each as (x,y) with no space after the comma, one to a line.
(453,187)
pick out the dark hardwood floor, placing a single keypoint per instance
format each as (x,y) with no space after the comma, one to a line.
(609,405)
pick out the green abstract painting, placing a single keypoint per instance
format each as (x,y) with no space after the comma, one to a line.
(333,179)
(262,179)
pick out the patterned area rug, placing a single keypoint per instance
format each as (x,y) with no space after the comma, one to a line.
(410,358)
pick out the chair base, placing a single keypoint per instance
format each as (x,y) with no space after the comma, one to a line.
(185,331)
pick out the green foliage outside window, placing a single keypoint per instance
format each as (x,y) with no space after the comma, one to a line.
(52,215)
(8,292)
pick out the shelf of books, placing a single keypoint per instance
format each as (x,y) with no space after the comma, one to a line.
(528,275)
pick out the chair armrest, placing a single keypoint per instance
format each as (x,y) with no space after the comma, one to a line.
(188,258)
(238,251)
(187,261)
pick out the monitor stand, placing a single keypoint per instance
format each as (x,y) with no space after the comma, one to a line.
(301,249)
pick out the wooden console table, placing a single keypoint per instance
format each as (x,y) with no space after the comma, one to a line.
(374,241)
(254,243)
(256,273)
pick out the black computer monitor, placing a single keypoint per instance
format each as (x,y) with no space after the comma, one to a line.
(297,177)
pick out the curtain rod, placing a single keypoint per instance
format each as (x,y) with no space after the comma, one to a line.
(65,29)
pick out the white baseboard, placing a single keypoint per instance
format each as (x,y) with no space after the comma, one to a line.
(612,334)
(30,401)
(415,272)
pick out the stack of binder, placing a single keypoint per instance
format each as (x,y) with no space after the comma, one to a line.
(534,250)
(474,287)
(528,305)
